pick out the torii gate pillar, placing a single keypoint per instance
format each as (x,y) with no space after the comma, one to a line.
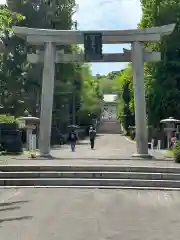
(47,99)
(139,100)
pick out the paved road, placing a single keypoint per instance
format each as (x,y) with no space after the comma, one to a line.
(75,214)
(96,162)
(106,146)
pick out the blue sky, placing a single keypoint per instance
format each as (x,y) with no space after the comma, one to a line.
(107,14)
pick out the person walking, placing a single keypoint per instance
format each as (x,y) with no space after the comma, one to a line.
(73,139)
(92,135)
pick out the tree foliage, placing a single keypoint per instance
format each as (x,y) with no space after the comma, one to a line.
(91,98)
(106,82)
(162,79)
(11,73)
(124,87)
(21,81)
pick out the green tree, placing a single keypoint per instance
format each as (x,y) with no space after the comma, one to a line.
(106,82)
(124,85)
(162,79)
(46,14)
(69,79)
(106,85)
(11,73)
(91,98)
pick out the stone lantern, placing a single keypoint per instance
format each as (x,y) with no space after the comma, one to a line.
(169,127)
(30,124)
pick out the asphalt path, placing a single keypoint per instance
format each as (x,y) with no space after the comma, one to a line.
(84,214)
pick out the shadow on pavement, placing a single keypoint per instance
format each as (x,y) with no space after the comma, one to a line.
(11,203)
(83,143)
(16,219)
(9,209)
(8,206)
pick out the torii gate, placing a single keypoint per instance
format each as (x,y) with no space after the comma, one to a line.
(138,55)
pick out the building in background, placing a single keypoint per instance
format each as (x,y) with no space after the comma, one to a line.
(110,106)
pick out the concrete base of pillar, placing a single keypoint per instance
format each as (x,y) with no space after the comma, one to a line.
(143,156)
(49,156)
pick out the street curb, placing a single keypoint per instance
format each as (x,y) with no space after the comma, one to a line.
(93,159)
(91,187)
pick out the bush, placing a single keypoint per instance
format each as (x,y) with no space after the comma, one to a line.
(7,119)
(176,152)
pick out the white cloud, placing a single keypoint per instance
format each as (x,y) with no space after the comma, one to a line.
(108,14)
(2,2)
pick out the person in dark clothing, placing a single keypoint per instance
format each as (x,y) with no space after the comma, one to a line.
(92,135)
(73,139)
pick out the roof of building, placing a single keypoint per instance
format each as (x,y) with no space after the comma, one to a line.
(110,97)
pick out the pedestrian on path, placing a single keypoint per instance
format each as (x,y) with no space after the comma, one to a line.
(92,135)
(73,139)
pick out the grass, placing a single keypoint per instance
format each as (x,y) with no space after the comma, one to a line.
(26,153)
(5,157)
(169,153)
(30,154)
(129,138)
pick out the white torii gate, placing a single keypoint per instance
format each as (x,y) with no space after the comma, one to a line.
(138,55)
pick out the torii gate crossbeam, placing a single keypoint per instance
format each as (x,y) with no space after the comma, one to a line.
(51,38)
